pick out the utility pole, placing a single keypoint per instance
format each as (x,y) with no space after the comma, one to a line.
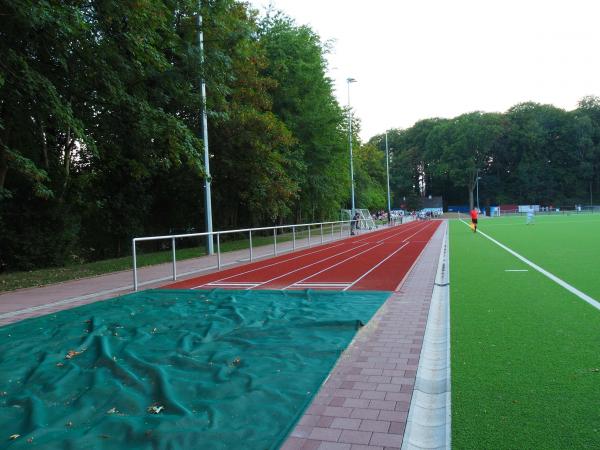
(387,170)
(207,179)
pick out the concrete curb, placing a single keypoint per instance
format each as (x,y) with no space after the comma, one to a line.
(429,419)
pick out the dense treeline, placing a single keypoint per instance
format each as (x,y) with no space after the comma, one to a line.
(532,154)
(99,125)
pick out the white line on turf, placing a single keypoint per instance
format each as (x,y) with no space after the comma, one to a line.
(583,296)
(516,270)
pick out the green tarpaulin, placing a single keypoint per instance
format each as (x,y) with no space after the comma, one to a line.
(173,369)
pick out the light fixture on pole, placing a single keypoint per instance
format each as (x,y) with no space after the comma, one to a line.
(350,80)
(387,169)
(207,179)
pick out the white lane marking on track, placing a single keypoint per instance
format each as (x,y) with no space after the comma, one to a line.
(324,248)
(375,266)
(325,259)
(332,266)
(583,296)
(389,256)
(377,245)
(311,264)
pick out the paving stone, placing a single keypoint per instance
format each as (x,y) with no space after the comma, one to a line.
(355,437)
(345,423)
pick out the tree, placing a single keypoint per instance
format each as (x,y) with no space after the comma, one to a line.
(462,147)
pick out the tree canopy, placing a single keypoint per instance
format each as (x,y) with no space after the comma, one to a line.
(100,124)
(531,154)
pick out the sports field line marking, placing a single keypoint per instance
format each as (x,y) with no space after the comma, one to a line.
(325,259)
(583,296)
(444,223)
(389,256)
(375,266)
(516,270)
(414,234)
(332,266)
(323,248)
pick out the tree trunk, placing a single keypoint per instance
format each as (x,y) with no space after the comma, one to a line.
(471,202)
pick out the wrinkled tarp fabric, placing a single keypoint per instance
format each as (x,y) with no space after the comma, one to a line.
(223,369)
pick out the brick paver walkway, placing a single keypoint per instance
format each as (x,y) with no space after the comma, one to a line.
(364,403)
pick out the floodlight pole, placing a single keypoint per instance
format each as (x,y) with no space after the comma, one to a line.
(207,179)
(477,183)
(387,170)
(350,80)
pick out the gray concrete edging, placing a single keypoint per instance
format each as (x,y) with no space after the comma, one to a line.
(429,420)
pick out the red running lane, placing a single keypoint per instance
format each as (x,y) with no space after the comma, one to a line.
(262,270)
(375,261)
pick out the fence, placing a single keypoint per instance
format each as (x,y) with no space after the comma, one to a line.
(323,229)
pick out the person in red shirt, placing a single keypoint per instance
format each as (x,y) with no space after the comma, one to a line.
(474,219)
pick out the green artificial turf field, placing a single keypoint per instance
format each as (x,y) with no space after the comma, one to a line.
(525,351)
(567,245)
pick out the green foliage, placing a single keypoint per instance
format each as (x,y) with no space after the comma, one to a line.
(100,118)
(532,154)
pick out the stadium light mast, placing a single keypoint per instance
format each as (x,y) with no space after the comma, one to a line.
(207,179)
(387,169)
(350,80)
(477,183)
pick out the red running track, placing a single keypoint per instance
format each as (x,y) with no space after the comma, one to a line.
(375,261)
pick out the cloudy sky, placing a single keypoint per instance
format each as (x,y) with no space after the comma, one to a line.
(415,59)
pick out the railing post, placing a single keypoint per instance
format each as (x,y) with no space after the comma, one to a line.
(331,232)
(275,241)
(294,238)
(309,236)
(135,278)
(321,233)
(250,235)
(218,251)
(174,260)
(341,230)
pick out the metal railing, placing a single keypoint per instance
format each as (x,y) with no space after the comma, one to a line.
(345,227)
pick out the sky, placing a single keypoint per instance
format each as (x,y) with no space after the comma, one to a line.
(417,59)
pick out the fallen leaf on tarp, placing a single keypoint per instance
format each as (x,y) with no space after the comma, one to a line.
(112,411)
(59,364)
(155,409)
(69,424)
(30,440)
(14,436)
(72,353)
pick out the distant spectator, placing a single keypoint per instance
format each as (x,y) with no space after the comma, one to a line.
(354,224)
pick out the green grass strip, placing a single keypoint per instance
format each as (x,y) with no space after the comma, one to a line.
(525,353)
